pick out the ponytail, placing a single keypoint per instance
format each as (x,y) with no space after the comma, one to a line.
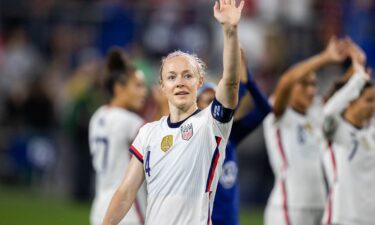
(118,70)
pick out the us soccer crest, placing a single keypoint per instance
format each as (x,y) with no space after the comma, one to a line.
(308,127)
(187,131)
(166,143)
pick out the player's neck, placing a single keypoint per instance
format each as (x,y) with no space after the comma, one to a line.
(299,109)
(179,114)
(115,102)
(351,116)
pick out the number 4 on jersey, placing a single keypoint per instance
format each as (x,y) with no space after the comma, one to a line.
(147,165)
(100,150)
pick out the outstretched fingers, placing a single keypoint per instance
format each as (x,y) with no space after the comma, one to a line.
(222,2)
(242,3)
(216,7)
(226,12)
(228,2)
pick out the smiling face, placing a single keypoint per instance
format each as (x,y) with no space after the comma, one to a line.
(180,81)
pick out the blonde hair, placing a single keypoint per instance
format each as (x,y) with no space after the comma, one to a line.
(194,60)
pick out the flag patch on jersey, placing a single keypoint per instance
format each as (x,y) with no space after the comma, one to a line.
(166,143)
(187,131)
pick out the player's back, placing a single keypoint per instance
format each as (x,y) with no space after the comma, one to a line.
(111,131)
(294,144)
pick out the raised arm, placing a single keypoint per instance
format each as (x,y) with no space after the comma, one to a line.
(334,52)
(351,90)
(244,97)
(229,16)
(249,86)
(124,197)
(246,124)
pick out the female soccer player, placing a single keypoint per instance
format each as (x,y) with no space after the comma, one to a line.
(180,156)
(112,129)
(351,199)
(295,143)
(226,203)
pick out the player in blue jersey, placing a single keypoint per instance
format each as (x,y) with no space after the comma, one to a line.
(226,203)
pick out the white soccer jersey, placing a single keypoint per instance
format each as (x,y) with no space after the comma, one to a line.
(182,165)
(332,110)
(351,199)
(295,143)
(111,132)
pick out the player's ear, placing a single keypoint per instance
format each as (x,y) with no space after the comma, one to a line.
(117,88)
(161,83)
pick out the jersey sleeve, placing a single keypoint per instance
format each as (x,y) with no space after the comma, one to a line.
(137,147)
(245,125)
(341,99)
(134,125)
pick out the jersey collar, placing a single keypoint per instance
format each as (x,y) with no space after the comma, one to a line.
(178,124)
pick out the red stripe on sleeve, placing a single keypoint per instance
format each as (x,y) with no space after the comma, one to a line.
(136,152)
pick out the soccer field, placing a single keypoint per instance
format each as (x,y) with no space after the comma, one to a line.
(23,207)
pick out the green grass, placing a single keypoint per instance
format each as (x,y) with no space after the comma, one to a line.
(25,207)
(251,217)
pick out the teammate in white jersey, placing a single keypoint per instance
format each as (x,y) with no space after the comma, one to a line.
(180,156)
(112,129)
(295,142)
(352,197)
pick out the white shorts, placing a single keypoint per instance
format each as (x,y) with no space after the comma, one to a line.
(275,215)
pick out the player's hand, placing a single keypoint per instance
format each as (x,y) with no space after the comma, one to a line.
(356,53)
(336,50)
(227,13)
(359,68)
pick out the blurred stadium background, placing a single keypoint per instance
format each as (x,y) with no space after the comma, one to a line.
(51,53)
